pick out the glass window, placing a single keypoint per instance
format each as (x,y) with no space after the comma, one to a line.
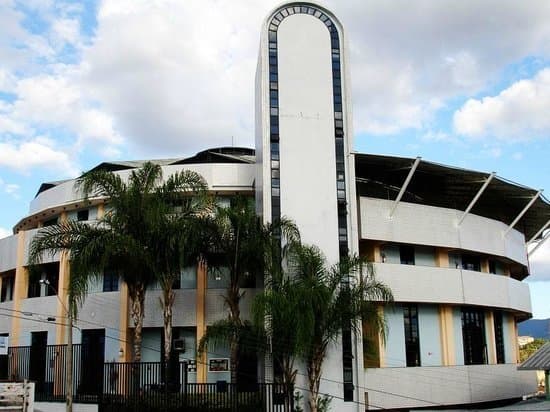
(218,278)
(50,222)
(83,215)
(110,280)
(8,282)
(499,336)
(473,337)
(412,341)
(188,278)
(406,254)
(471,262)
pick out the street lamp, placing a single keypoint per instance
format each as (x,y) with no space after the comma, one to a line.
(69,358)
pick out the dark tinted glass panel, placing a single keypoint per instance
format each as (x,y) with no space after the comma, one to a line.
(82,215)
(499,336)
(473,337)
(412,341)
(406,253)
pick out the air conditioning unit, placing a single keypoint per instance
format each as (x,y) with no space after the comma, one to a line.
(178,345)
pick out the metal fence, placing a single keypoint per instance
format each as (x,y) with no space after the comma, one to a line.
(46,367)
(143,386)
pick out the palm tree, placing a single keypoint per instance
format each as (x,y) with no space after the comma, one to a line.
(277,311)
(326,300)
(247,248)
(184,202)
(80,240)
(126,238)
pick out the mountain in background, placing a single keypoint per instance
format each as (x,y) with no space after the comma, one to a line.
(537,328)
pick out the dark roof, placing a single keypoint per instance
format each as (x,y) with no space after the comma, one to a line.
(45,186)
(221,155)
(450,187)
(539,361)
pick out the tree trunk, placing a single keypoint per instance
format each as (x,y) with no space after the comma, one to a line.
(167,303)
(314,377)
(234,346)
(138,304)
(233,300)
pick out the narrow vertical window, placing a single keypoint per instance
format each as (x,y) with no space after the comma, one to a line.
(412,341)
(499,336)
(473,337)
(406,253)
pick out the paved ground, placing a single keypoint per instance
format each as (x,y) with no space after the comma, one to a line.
(60,407)
(535,404)
(526,406)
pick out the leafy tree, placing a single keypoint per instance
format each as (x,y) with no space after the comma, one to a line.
(126,238)
(241,244)
(183,202)
(527,350)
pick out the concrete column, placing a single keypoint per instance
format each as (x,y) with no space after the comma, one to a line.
(21,286)
(447,335)
(491,348)
(442,257)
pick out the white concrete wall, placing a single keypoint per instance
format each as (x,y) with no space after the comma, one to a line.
(436,226)
(219,176)
(425,284)
(8,253)
(451,385)
(306,125)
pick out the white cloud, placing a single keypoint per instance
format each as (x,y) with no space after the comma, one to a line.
(9,188)
(172,77)
(443,50)
(539,263)
(517,156)
(5,233)
(519,112)
(40,152)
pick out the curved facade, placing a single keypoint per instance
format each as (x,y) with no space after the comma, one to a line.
(451,243)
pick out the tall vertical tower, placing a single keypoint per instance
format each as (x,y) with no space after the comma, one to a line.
(303,142)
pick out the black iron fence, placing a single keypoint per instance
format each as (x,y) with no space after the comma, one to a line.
(46,367)
(143,386)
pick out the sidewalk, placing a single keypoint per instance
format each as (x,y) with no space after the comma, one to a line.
(534,404)
(60,407)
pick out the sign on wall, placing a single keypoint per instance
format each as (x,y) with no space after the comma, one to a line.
(4,345)
(218,365)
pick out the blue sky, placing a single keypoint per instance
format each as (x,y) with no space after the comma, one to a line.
(466,84)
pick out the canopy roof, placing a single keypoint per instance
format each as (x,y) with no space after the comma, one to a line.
(439,185)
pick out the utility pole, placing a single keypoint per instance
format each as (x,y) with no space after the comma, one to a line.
(69,352)
(69,362)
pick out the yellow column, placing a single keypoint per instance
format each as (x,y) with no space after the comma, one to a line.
(442,257)
(485,265)
(201,318)
(512,327)
(491,348)
(100,210)
(63,301)
(447,335)
(63,293)
(20,288)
